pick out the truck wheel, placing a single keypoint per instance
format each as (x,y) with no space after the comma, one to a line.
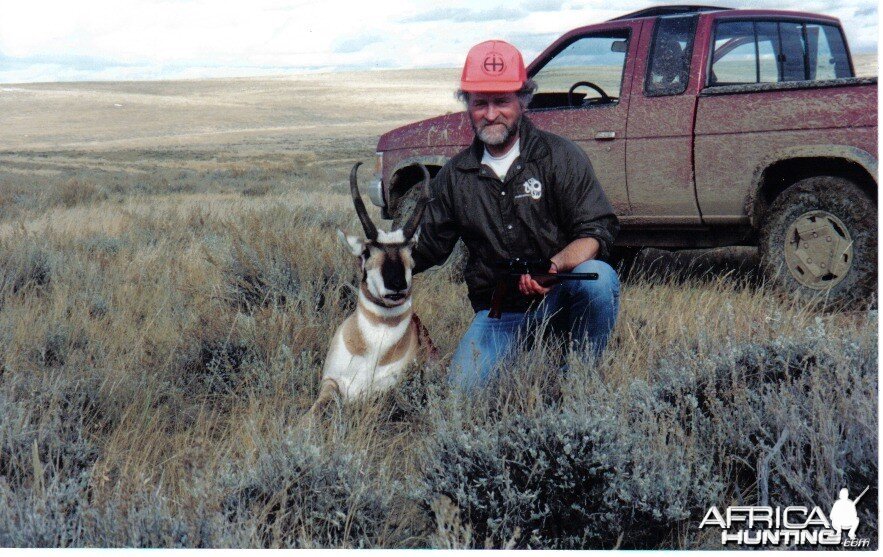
(403,209)
(820,241)
(623,260)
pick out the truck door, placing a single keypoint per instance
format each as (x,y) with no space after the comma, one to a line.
(583,94)
(749,56)
(659,143)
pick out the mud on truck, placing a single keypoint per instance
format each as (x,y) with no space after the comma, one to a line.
(707,127)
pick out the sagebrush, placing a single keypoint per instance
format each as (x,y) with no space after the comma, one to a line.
(164,333)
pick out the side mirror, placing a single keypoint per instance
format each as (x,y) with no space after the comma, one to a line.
(619,46)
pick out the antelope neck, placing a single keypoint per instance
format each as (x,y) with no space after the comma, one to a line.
(376,310)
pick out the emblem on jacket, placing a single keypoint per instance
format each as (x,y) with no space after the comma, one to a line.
(533,188)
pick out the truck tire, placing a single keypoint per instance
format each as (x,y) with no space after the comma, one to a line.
(402,210)
(820,242)
(623,260)
(404,206)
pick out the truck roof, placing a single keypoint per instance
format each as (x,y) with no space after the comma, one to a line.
(679,9)
(669,10)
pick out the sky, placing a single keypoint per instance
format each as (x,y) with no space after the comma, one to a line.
(85,40)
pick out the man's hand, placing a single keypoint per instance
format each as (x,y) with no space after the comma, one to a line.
(528,286)
(574,253)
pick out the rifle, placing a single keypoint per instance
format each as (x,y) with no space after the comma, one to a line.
(508,271)
(855,501)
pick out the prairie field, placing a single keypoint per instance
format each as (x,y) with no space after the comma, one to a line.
(170,277)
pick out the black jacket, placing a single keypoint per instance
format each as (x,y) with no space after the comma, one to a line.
(549,198)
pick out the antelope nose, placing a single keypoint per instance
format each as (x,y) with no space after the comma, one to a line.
(394,277)
(398,286)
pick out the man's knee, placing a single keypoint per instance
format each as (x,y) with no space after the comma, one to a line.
(606,286)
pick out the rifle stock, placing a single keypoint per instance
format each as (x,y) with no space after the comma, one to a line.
(500,291)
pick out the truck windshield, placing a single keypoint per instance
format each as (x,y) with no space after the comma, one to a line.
(588,71)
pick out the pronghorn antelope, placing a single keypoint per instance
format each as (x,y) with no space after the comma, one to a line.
(373,346)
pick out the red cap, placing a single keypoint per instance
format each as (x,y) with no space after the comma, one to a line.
(493,67)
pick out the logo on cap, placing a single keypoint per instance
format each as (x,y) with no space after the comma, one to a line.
(493,64)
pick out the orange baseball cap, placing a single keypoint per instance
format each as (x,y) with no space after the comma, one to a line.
(493,67)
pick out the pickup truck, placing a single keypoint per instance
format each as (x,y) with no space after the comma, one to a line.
(707,127)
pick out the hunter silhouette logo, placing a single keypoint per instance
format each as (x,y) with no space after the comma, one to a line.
(843,513)
(493,64)
(793,525)
(532,188)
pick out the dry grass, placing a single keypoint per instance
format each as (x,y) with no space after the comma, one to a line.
(184,341)
(165,313)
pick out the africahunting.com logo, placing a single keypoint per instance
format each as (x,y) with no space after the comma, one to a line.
(775,526)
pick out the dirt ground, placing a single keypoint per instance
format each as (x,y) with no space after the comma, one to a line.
(305,110)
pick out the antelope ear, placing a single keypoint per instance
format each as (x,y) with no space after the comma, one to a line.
(353,244)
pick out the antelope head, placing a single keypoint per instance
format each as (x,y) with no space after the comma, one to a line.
(385,257)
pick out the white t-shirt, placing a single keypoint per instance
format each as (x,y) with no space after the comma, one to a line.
(501,164)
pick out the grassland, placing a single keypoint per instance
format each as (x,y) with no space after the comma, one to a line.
(169,280)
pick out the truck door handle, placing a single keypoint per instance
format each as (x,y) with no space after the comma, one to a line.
(605,136)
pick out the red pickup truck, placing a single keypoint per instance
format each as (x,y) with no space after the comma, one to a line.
(707,127)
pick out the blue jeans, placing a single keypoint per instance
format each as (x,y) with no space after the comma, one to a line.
(586,309)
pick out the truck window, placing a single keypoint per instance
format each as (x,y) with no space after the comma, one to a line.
(735,55)
(792,56)
(586,72)
(767,51)
(672,47)
(775,51)
(827,52)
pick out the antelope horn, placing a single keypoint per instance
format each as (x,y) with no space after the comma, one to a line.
(414,221)
(370,229)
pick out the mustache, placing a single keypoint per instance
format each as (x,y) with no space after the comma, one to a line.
(485,123)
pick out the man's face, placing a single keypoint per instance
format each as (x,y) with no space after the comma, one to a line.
(494,116)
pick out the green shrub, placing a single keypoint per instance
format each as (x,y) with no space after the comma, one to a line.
(300,494)
(62,513)
(25,266)
(527,482)
(636,466)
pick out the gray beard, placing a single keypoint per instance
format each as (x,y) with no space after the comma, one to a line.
(495,138)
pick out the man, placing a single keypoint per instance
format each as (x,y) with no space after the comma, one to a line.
(518,191)
(843,514)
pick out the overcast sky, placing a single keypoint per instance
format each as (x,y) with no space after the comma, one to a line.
(166,39)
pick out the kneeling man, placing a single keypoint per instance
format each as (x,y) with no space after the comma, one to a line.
(518,191)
